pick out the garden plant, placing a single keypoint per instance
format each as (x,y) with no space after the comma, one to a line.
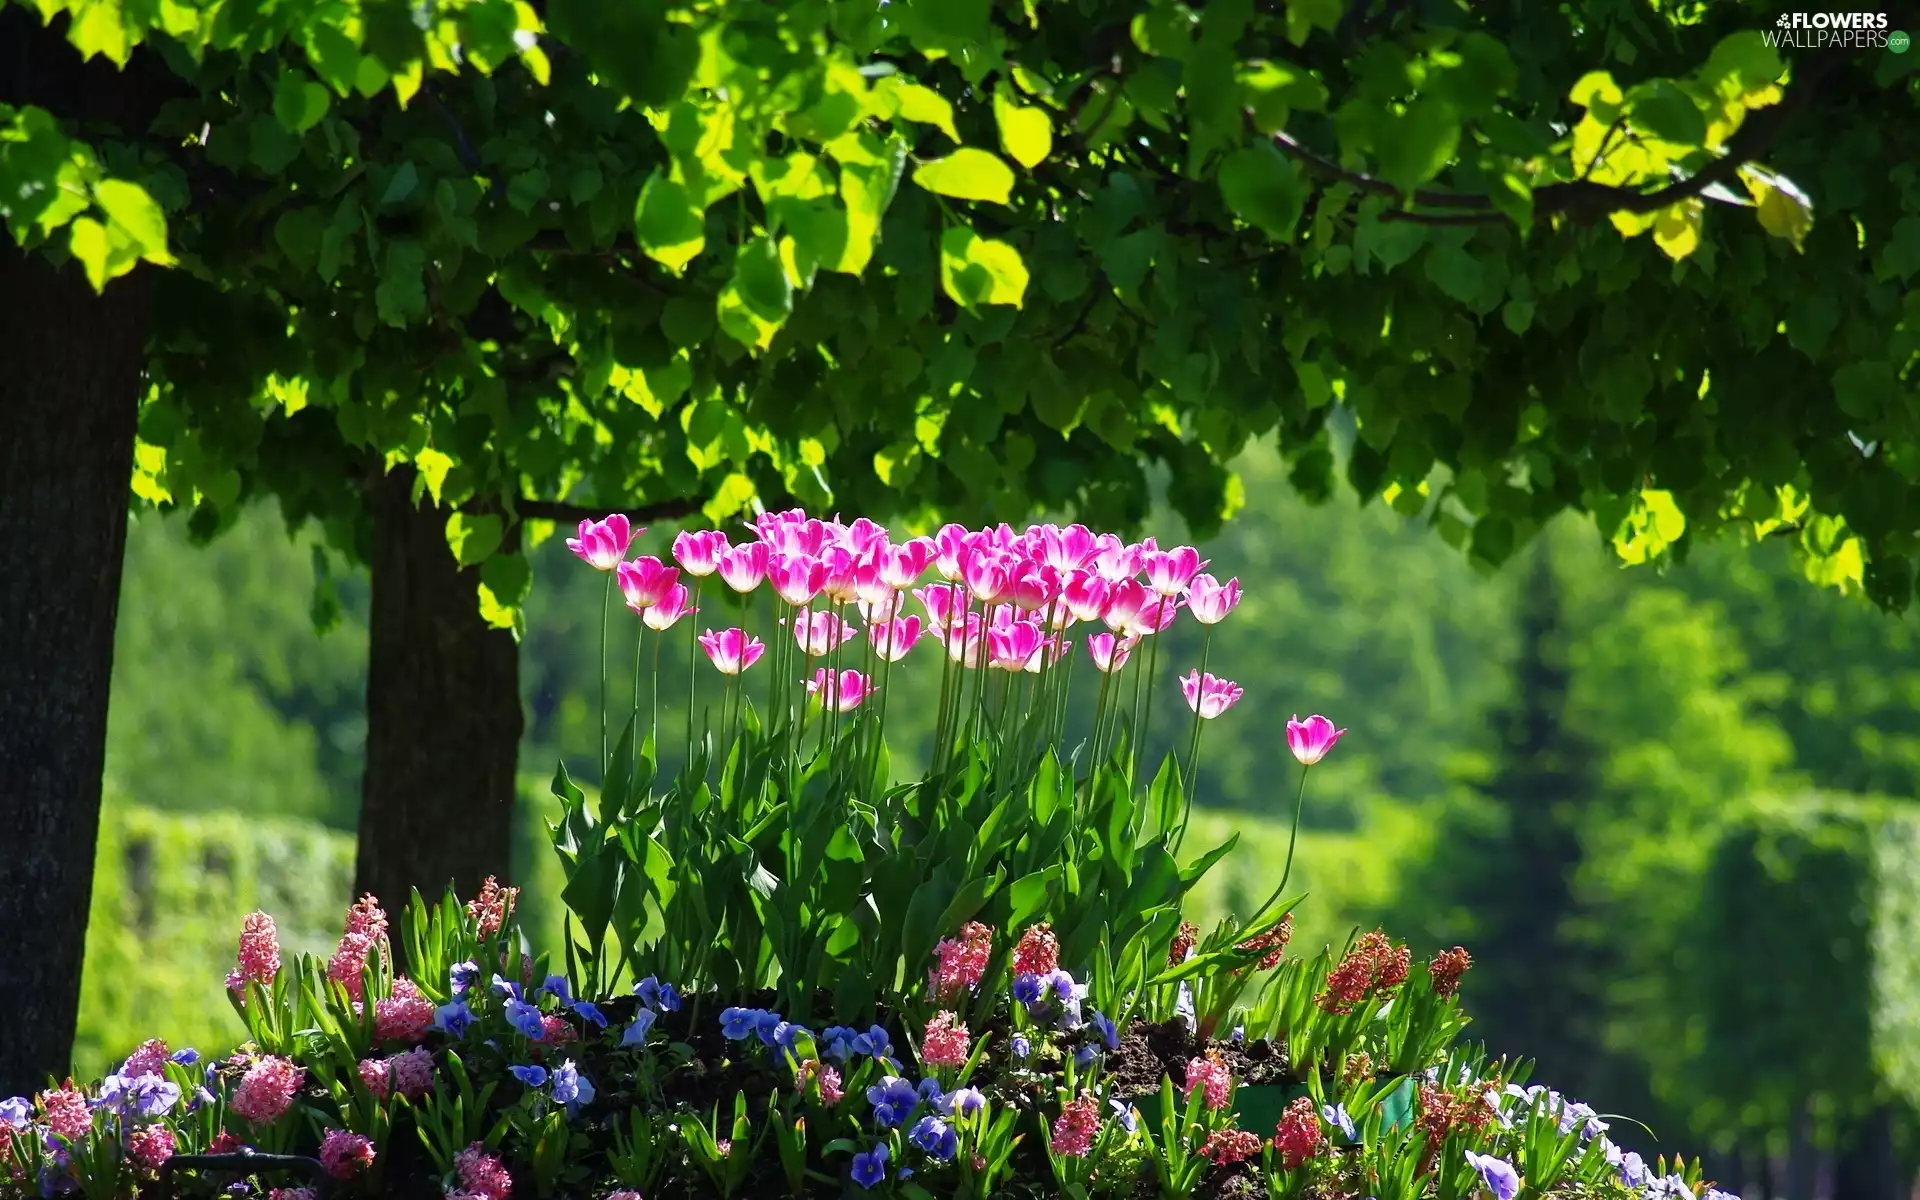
(785,972)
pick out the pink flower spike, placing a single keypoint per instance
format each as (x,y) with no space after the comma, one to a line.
(344,1154)
(646,581)
(259,957)
(844,694)
(481,1174)
(698,551)
(893,639)
(602,544)
(1312,738)
(1210,601)
(1170,571)
(902,566)
(1108,652)
(666,614)
(819,634)
(797,579)
(731,650)
(946,1042)
(744,568)
(1209,696)
(267,1089)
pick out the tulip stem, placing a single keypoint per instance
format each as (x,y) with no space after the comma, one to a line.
(693,662)
(1153,660)
(639,643)
(653,705)
(1286,872)
(1193,742)
(606,605)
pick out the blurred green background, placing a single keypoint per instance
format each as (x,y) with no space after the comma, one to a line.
(1671,814)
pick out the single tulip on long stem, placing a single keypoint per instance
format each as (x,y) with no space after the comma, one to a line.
(1309,740)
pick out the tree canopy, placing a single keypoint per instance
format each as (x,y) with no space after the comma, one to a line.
(983,256)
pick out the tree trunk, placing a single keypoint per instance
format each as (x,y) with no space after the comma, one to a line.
(443,715)
(1868,1168)
(70,366)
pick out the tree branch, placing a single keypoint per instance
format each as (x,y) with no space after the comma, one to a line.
(560,510)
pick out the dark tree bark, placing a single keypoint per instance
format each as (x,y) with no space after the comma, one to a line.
(70,363)
(70,366)
(443,714)
(1868,1168)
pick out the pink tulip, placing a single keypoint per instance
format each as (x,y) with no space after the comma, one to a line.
(698,551)
(1207,695)
(1124,602)
(962,639)
(886,608)
(1116,561)
(792,533)
(602,544)
(1210,601)
(1109,653)
(987,576)
(1037,587)
(1170,571)
(1049,654)
(843,694)
(666,614)
(1010,646)
(731,650)
(646,581)
(796,579)
(1155,615)
(744,567)
(869,585)
(1067,549)
(1084,595)
(1312,738)
(902,566)
(863,536)
(945,603)
(950,548)
(840,578)
(892,639)
(820,633)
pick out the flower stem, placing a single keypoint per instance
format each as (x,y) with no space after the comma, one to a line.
(606,604)
(1153,659)
(1286,872)
(693,662)
(1193,741)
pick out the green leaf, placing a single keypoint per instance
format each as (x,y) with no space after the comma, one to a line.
(405,178)
(1025,133)
(897,96)
(87,241)
(269,146)
(135,214)
(670,229)
(473,536)
(402,294)
(433,466)
(967,174)
(977,270)
(1661,109)
(298,102)
(1417,144)
(1264,188)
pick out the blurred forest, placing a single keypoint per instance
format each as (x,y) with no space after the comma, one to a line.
(1671,814)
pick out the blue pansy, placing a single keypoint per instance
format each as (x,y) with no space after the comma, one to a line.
(837,1042)
(963,1102)
(767,1025)
(893,1100)
(1670,1187)
(186,1057)
(870,1167)
(1336,1116)
(556,985)
(1060,984)
(1124,1115)
(532,1076)
(463,975)
(570,1087)
(738,1024)
(1497,1174)
(654,994)
(591,1013)
(936,1137)
(1028,989)
(506,987)
(874,1042)
(1084,1056)
(526,1018)
(1021,1045)
(1108,1031)
(636,1034)
(453,1018)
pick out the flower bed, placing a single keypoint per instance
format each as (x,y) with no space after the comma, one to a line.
(786,974)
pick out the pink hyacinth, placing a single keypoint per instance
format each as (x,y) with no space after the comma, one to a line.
(1214,1081)
(902,566)
(344,1154)
(731,651)
(744,568)
(1037,952)
(819,634)
(1170,571)
(1210,601)
(150,1146)
(646,581)
(64,1111)
(962,962)
(348,965)
(844,693)
(406,1015)
(1209,695)
(366,918)
(796,579)
(1109,653)
(481,1173)
(602,544)
(555,1031)
(490,909)
(149,1059)
(666,614)
(946,1042)
(698,552)
(1073,1132)
(259,956)
(266,1090)
(409,1074)
(1312,738)
(893,639)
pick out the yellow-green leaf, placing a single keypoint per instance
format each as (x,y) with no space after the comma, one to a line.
(1025,133)
(895,96)
(136,215)
(472,537)
(670,229)
(1677,229)
(1784,210)
(967,174)
(87,240)
(298,102)
(979,270)
(433,466)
